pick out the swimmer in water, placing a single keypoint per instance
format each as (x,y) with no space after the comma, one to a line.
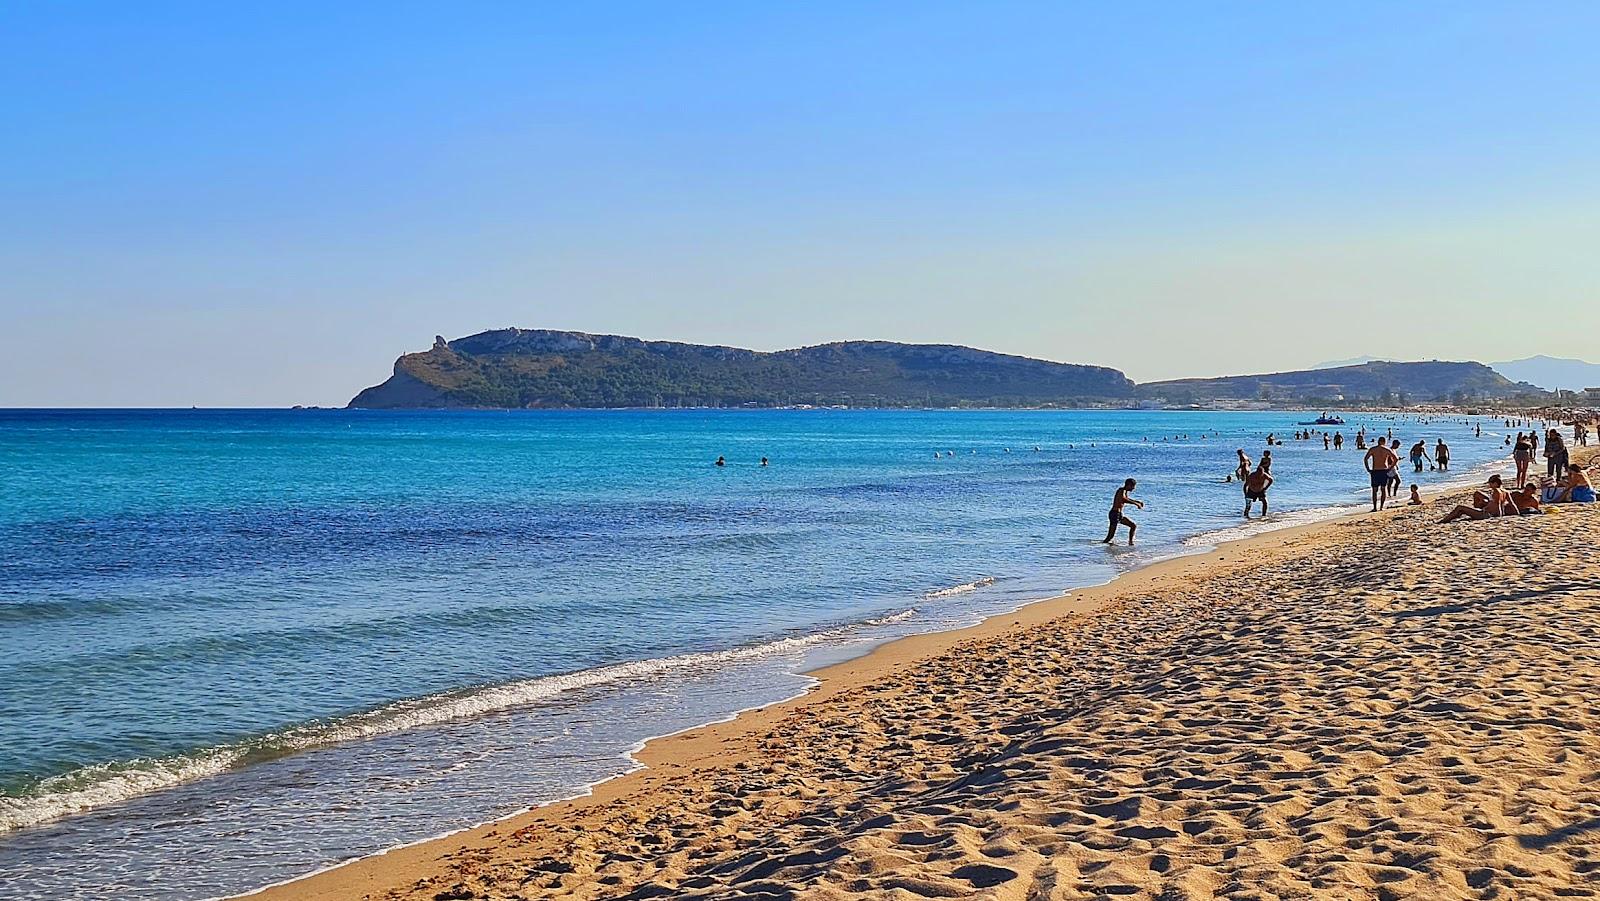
(721,462)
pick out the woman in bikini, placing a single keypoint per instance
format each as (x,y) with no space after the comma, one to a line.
(1496,502)
(1522,452)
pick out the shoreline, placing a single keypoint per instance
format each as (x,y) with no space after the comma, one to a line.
(628,760)
(657,760)
(1271,716)
(206,758)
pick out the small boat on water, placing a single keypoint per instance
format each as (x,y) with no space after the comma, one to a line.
(1324,419)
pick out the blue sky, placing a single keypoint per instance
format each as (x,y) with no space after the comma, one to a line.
(208,204)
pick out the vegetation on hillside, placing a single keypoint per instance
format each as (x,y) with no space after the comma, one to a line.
(1378,383)
(537,368)
(516,368)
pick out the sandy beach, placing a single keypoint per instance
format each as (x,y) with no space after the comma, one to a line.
(1374,707)
(497,452)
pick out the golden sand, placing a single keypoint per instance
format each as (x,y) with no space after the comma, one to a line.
(1379,707)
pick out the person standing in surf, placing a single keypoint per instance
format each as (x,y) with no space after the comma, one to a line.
(1118,501)
(1419,453)
(1379,461)
(1255,489)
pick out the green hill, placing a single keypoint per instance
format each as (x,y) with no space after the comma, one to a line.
(542,368)
(1377,382)
(515,368)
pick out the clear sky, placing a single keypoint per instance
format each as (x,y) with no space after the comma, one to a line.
(203,204)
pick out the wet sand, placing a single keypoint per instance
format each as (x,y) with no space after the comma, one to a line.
(1375,707)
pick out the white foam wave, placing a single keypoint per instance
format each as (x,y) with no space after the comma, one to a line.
(1270,523)
(101,785)
(104,784)
(963,588)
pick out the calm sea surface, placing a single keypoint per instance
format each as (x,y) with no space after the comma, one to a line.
(237,646)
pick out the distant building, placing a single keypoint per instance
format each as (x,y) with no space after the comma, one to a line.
(1591,394)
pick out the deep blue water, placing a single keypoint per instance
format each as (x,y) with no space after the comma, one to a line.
(239,645)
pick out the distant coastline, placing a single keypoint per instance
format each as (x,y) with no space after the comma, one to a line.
(545,369)
(1548,411)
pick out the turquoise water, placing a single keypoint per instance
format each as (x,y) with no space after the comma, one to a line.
(241,645)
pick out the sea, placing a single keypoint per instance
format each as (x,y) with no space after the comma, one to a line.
(240,646)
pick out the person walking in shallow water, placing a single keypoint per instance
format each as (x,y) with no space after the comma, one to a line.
(1255,489)
(1419,452)
(1118,501)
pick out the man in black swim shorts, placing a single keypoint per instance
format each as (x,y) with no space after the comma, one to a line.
(1118,501)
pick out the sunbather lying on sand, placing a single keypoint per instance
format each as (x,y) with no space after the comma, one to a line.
(1496,502)
(1527,499)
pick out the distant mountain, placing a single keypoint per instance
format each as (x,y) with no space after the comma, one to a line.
(542,368)
(1367,383)
(1340,364)
(1551,372)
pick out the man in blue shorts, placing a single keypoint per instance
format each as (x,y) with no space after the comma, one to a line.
(1379,461)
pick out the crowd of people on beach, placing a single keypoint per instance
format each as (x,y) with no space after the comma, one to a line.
(1497,500)
(1564,481)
